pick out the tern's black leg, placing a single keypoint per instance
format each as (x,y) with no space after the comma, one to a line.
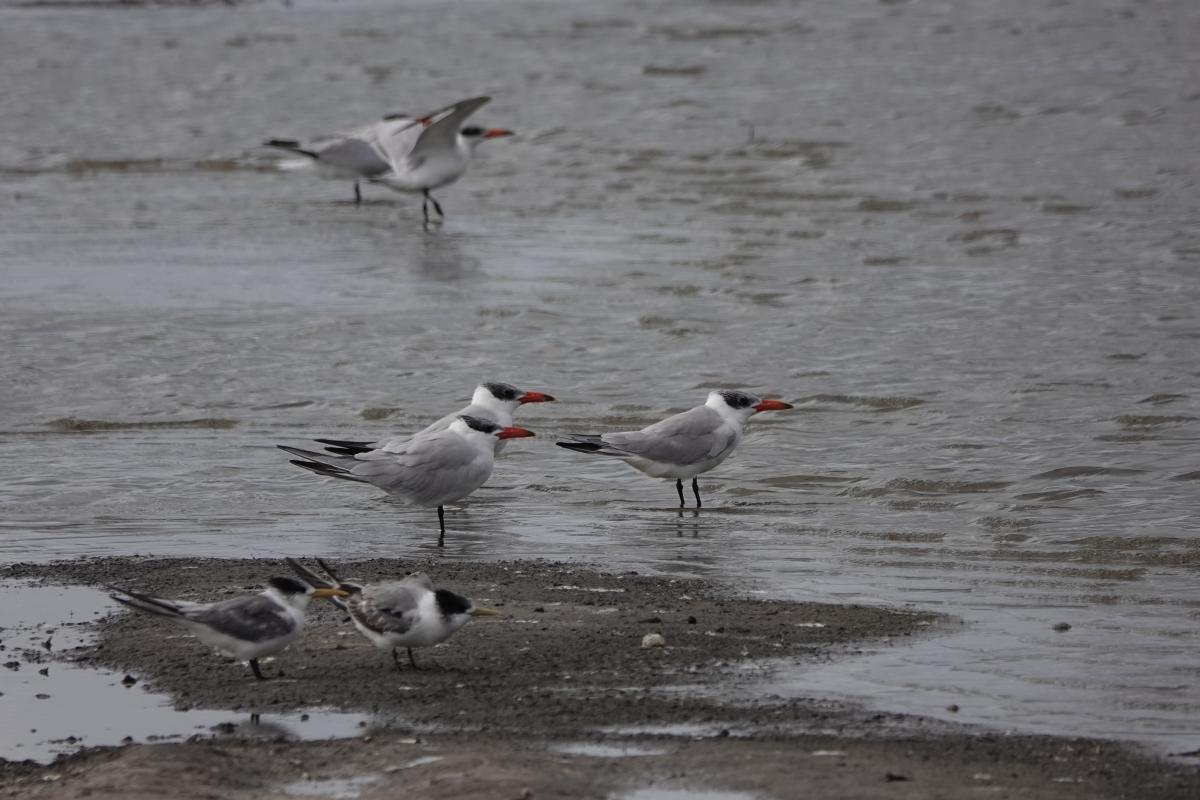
(357,194)
(425,207)
(441,526)
(257,672)
(679,488)
(396,660)
(695,491)
(412,660)
(437,206)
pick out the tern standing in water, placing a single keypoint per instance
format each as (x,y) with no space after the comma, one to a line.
(407,154)
(685,445)
(244,628)
(427,470)
(406,613)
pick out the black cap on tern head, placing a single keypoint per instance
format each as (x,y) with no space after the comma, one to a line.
(502,391)
(738,400)
(450,603)
(481,425)
(289,586)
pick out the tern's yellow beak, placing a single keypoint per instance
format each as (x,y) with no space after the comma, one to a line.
(484,611)
(330,593)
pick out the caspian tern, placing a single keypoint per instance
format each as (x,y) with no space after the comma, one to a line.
(244,628)
(407,154)
(406,613)
(684,445)
(493,401)
(427,470)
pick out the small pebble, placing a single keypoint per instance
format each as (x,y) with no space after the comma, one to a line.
(1062,626)
(653,640)
(953,708)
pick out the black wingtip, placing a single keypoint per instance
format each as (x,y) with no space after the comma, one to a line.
(343,447)
(291,145)
(580,447)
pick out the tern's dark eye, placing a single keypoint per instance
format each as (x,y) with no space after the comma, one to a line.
(503,391)
(481,425)
(472,130)
(738,399)
(288,585)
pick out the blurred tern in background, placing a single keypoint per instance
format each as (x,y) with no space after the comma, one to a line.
(494,401)
(407,154)
(244,628)
(685,445)
(406,613)
(429,469)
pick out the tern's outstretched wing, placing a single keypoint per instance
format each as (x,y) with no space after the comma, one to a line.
(440,135)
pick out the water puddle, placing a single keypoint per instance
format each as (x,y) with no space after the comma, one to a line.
(683,794)
(606,750)
(52,707)
(334,788)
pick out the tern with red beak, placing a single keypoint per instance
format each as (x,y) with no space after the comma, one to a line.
(685,445)
(244,628)
(407,154)
(427,470)
(493,401)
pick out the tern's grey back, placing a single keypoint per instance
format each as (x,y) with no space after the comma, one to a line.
(248,618)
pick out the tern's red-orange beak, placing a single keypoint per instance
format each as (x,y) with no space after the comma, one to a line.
(535,397)
(773,405)
(513,433)
(496,133)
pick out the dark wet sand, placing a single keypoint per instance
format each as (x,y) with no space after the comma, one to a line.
(564,665)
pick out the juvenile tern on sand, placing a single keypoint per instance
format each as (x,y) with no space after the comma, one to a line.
(244,628)
(427,470)
(406,613)
(684,445)
(493,401)
(407,154)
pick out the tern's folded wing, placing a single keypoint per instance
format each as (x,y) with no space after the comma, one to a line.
(251,619)
(389,607)
(687,438)
(358,155)
(430,468)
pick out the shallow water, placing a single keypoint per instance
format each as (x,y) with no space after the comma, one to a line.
(42,693)
(960,238)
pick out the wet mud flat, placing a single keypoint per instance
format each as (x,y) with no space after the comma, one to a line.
(557,698)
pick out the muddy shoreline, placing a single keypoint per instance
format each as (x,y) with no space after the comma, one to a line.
(556,698)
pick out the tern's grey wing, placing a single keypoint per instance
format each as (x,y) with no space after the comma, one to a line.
(251,619)
(442,132)
(395,139)
(388,607)
(430,469)
(358,155)
(686,438)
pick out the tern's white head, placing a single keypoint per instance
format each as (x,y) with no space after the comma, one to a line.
(470,137)
(740,406)
(486,430)
(503,398)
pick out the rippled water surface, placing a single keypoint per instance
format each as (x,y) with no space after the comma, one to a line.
(959,237)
